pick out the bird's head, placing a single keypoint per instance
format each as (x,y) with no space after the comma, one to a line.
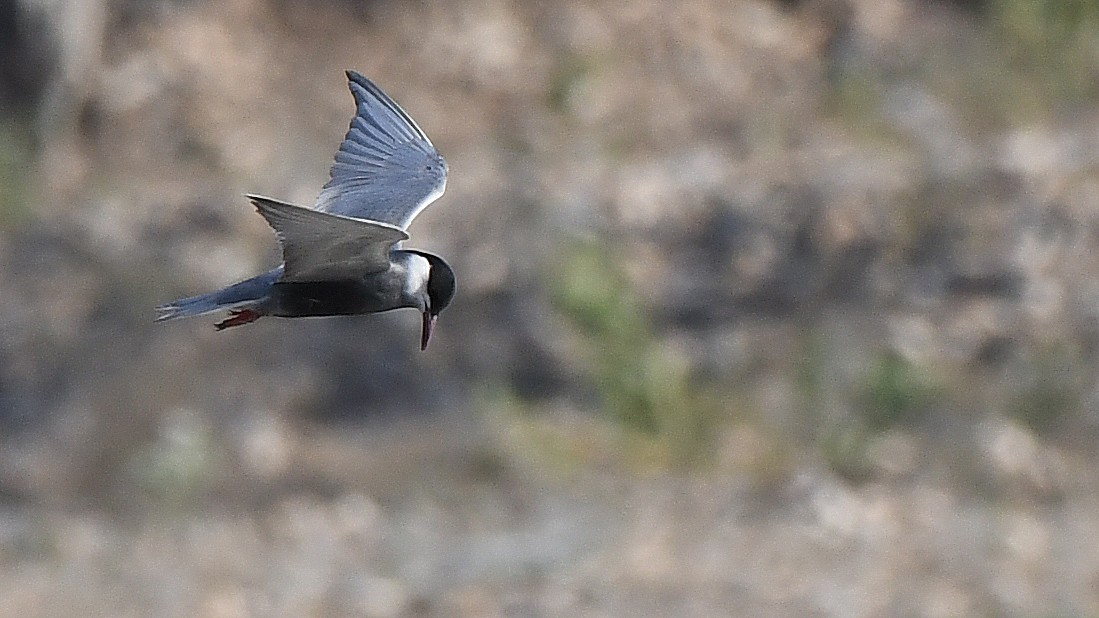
(436,293)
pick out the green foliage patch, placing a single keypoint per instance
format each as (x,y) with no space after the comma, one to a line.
(643,387)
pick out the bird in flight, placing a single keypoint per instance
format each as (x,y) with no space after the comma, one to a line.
(343,256)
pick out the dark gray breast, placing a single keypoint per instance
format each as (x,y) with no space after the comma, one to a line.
(379,292)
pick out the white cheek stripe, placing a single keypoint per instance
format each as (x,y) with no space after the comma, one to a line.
(418,271)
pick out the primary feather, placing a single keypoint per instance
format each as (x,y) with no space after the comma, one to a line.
(386,168)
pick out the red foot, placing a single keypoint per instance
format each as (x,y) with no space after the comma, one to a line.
(238,317)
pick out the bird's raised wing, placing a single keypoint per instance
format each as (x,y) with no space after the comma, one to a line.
(386,169)
(320,246)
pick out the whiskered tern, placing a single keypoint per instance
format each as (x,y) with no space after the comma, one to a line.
(343,256)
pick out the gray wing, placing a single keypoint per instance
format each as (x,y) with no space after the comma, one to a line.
(319,246)
(386,169)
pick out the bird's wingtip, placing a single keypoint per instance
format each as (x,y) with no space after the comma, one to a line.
(355,77)
(166,312)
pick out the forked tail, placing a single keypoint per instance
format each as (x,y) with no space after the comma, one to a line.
(246,292)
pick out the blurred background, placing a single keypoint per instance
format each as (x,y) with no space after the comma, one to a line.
(766,308)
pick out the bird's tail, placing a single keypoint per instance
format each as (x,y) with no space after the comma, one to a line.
(234,296)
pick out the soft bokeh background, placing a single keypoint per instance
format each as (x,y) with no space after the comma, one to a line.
(766,308)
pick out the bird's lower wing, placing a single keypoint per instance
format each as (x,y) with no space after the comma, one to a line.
(319,246)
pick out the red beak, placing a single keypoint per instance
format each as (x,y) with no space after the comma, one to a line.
(425,334)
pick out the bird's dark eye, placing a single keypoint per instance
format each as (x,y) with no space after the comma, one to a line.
(429,168)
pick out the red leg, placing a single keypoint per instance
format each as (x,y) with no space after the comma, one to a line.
(238,317)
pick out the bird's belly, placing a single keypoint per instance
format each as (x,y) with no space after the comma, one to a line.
(320,298)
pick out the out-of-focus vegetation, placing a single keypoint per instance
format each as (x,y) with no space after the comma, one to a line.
(643,386)
(16,155)
(1053,43)
(790,307)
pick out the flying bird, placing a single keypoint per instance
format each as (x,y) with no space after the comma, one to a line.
(343,256)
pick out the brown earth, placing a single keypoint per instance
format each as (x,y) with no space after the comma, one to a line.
(765,309)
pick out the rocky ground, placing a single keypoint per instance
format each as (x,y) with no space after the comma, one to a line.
(766,308)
